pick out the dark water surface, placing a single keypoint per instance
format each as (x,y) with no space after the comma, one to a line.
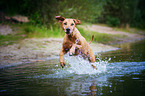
(119,73)
(131,59)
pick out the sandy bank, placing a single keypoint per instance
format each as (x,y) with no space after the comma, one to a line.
(31,50)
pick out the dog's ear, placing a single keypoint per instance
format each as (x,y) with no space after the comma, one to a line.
(59,18)
(77,21)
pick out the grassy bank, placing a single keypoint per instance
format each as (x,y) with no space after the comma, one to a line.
(22,31)
(29,42)
(36,31)
(42,31)
(99,37)
(10,39)
(57,32)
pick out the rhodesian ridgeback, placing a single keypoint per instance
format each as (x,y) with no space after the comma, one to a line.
(73,41)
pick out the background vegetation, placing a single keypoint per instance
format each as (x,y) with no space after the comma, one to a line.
(41,13)
(112,12)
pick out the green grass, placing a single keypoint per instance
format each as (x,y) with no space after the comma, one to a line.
(10,39)
(15,37)
(99,37)
(32,31)
(57,32)
(42,32)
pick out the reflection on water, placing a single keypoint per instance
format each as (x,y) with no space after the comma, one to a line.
(123,74)
(132,52)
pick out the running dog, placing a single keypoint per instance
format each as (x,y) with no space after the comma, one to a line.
(73,41)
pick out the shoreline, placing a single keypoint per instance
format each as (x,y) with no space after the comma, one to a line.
(31,50)
(37,50)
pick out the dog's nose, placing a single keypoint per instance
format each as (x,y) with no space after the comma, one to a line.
(67,30)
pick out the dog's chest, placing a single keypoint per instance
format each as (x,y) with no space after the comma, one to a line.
(68,44)
(69,41)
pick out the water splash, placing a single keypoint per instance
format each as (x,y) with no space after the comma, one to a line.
(76,65)
(79,75)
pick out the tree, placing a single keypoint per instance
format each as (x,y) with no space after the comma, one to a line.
(124,10)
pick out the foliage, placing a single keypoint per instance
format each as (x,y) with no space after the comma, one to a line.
(127,11)
(112,21)
(43,12)
(86,10)
(139,19)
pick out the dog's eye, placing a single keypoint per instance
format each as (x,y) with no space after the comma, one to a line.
(72,24)
(65,23)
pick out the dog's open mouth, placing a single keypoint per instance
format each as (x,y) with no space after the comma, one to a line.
(67,32)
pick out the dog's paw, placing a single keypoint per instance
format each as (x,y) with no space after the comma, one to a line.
(62,65)
(70,54)
(94,66)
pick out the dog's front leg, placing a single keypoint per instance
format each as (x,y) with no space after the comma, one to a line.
(61,59)
(72,50)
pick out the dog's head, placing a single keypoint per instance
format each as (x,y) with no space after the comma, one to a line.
(68,25)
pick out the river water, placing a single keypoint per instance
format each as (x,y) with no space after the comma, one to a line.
(118,73)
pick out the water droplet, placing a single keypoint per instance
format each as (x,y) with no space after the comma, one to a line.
(135,78)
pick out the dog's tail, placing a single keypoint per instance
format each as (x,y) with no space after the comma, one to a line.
(91,39)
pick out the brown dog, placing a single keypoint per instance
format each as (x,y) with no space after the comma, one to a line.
(73,41)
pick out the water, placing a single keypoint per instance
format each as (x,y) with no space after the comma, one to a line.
(119,73)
